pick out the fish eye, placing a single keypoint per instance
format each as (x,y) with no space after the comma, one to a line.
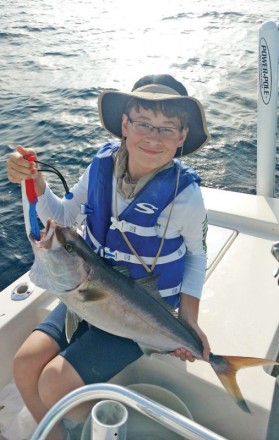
(68,246)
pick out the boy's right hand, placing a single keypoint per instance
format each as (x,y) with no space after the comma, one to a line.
(19,169)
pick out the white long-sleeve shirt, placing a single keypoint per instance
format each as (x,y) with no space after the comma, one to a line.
(188,219)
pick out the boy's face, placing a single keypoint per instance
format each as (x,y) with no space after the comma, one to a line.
(149,148)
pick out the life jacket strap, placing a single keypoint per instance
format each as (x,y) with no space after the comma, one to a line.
(124,226)
(116,255)
(170,292)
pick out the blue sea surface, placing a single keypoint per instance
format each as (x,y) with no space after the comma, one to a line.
(56,57)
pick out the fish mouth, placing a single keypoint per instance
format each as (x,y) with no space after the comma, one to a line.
(46,236)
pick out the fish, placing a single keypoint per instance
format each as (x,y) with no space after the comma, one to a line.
(107,298)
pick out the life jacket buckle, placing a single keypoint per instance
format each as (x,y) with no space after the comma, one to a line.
(106,252)
(118,224)
(86,209)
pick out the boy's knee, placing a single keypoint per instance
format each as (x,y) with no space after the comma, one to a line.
(21,367)
(47,387)
(56,380)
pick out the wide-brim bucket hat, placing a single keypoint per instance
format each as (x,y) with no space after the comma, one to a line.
(112,105)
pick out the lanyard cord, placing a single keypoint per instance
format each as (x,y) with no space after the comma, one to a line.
(149,270)
(53,170)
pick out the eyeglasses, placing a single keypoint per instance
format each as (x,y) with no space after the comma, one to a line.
(144,129)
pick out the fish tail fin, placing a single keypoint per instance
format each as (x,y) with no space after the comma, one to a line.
(226,368)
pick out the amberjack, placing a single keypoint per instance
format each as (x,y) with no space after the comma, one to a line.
(106,297)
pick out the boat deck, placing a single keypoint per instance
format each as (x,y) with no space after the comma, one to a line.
(238,312)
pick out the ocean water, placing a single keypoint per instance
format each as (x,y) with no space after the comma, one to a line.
(57,56)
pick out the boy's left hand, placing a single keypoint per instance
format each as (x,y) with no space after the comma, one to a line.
(186,355)
(183,354)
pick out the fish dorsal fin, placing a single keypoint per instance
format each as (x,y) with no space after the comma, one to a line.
(149,283)
(122,269)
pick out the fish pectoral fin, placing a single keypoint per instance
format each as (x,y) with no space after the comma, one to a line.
(149,350)
(92,293)
(72,321)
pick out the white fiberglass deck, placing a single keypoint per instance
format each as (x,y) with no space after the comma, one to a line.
(238,312)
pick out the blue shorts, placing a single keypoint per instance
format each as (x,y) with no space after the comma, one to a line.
(96,355)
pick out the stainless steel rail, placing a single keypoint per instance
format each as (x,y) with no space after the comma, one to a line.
(273,424)
(161,414)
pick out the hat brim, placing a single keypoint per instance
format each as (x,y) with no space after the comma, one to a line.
(112,104)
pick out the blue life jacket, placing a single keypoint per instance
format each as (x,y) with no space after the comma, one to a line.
(138,221)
